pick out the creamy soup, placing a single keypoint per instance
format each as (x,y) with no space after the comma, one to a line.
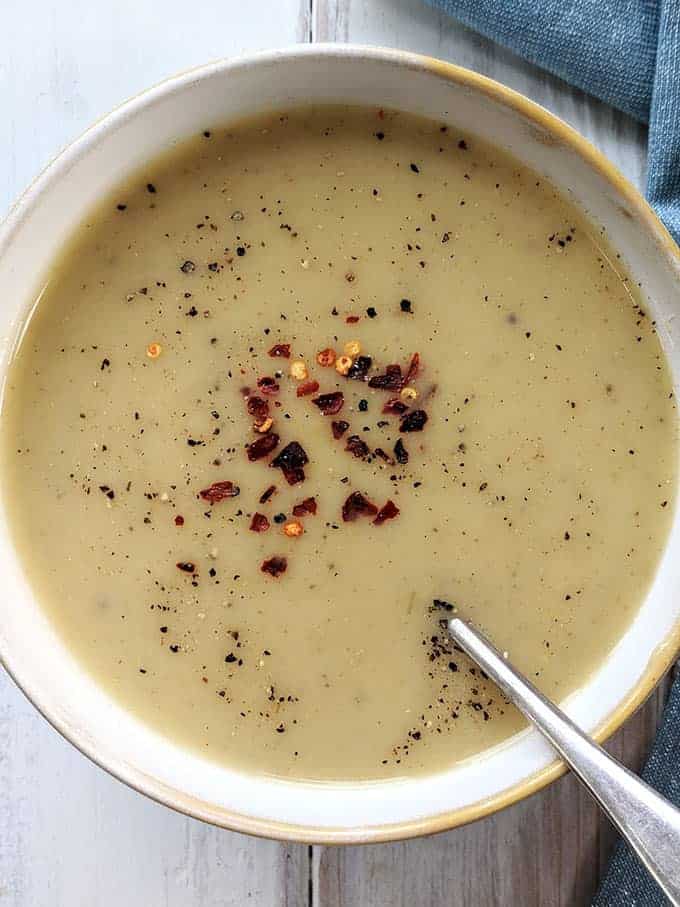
(297,389)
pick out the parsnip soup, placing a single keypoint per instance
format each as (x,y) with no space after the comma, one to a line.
(297,388)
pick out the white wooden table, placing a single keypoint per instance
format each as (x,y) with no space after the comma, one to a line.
(70,836)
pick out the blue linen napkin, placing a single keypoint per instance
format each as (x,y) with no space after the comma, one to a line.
(626,52)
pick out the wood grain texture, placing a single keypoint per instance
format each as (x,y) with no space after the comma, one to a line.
(71,836)
(548,851)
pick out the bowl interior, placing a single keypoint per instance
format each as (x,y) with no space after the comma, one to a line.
(33,234)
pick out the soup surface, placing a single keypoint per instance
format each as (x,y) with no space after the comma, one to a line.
(262,572)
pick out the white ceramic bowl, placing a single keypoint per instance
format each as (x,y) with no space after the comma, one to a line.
(31,650)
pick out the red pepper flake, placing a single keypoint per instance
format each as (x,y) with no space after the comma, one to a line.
(262,447)
(356,446)
(395,407)
(220,491)
(290,461)
(339,428)
(309,387)
(352,319)
(379,452)
(257,407)
(274,566)
(262,427)
(179,520)
(326,357)
(264,497)
(414,421)
(330,404)
(400,452)
(259,523)
(360,368)
(392,380)
(307,506)
(281,350)
(268,385)
(357,505)
(413,369)
(186,566)
(387,512)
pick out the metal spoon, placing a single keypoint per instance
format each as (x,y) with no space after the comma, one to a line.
(649,823)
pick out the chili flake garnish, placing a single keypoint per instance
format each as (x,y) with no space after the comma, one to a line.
(360,368)
(305,507)
(400,452)
(263,426)
(291,461)
(395,407)
(352,319)
(339,428)
(357,505)
(392,380)
(379,452)
(326,357)
(274,566)
(268,385)
(262,447)
(220,491)
(356,446)
(281,350)
(387,512)
(179,520)
(298,370)
(259,523)
(186,566)
(256,406)
(343,364)
(309,387)
(414,421)
(264,497)
(293,529)
(330,404)
(413,368)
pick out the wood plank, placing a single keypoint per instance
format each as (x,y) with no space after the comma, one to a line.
(548,850)
(70,834)
(551,849)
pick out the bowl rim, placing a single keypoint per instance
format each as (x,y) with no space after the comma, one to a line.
(638,208)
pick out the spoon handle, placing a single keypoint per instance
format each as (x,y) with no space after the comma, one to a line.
(649,823)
